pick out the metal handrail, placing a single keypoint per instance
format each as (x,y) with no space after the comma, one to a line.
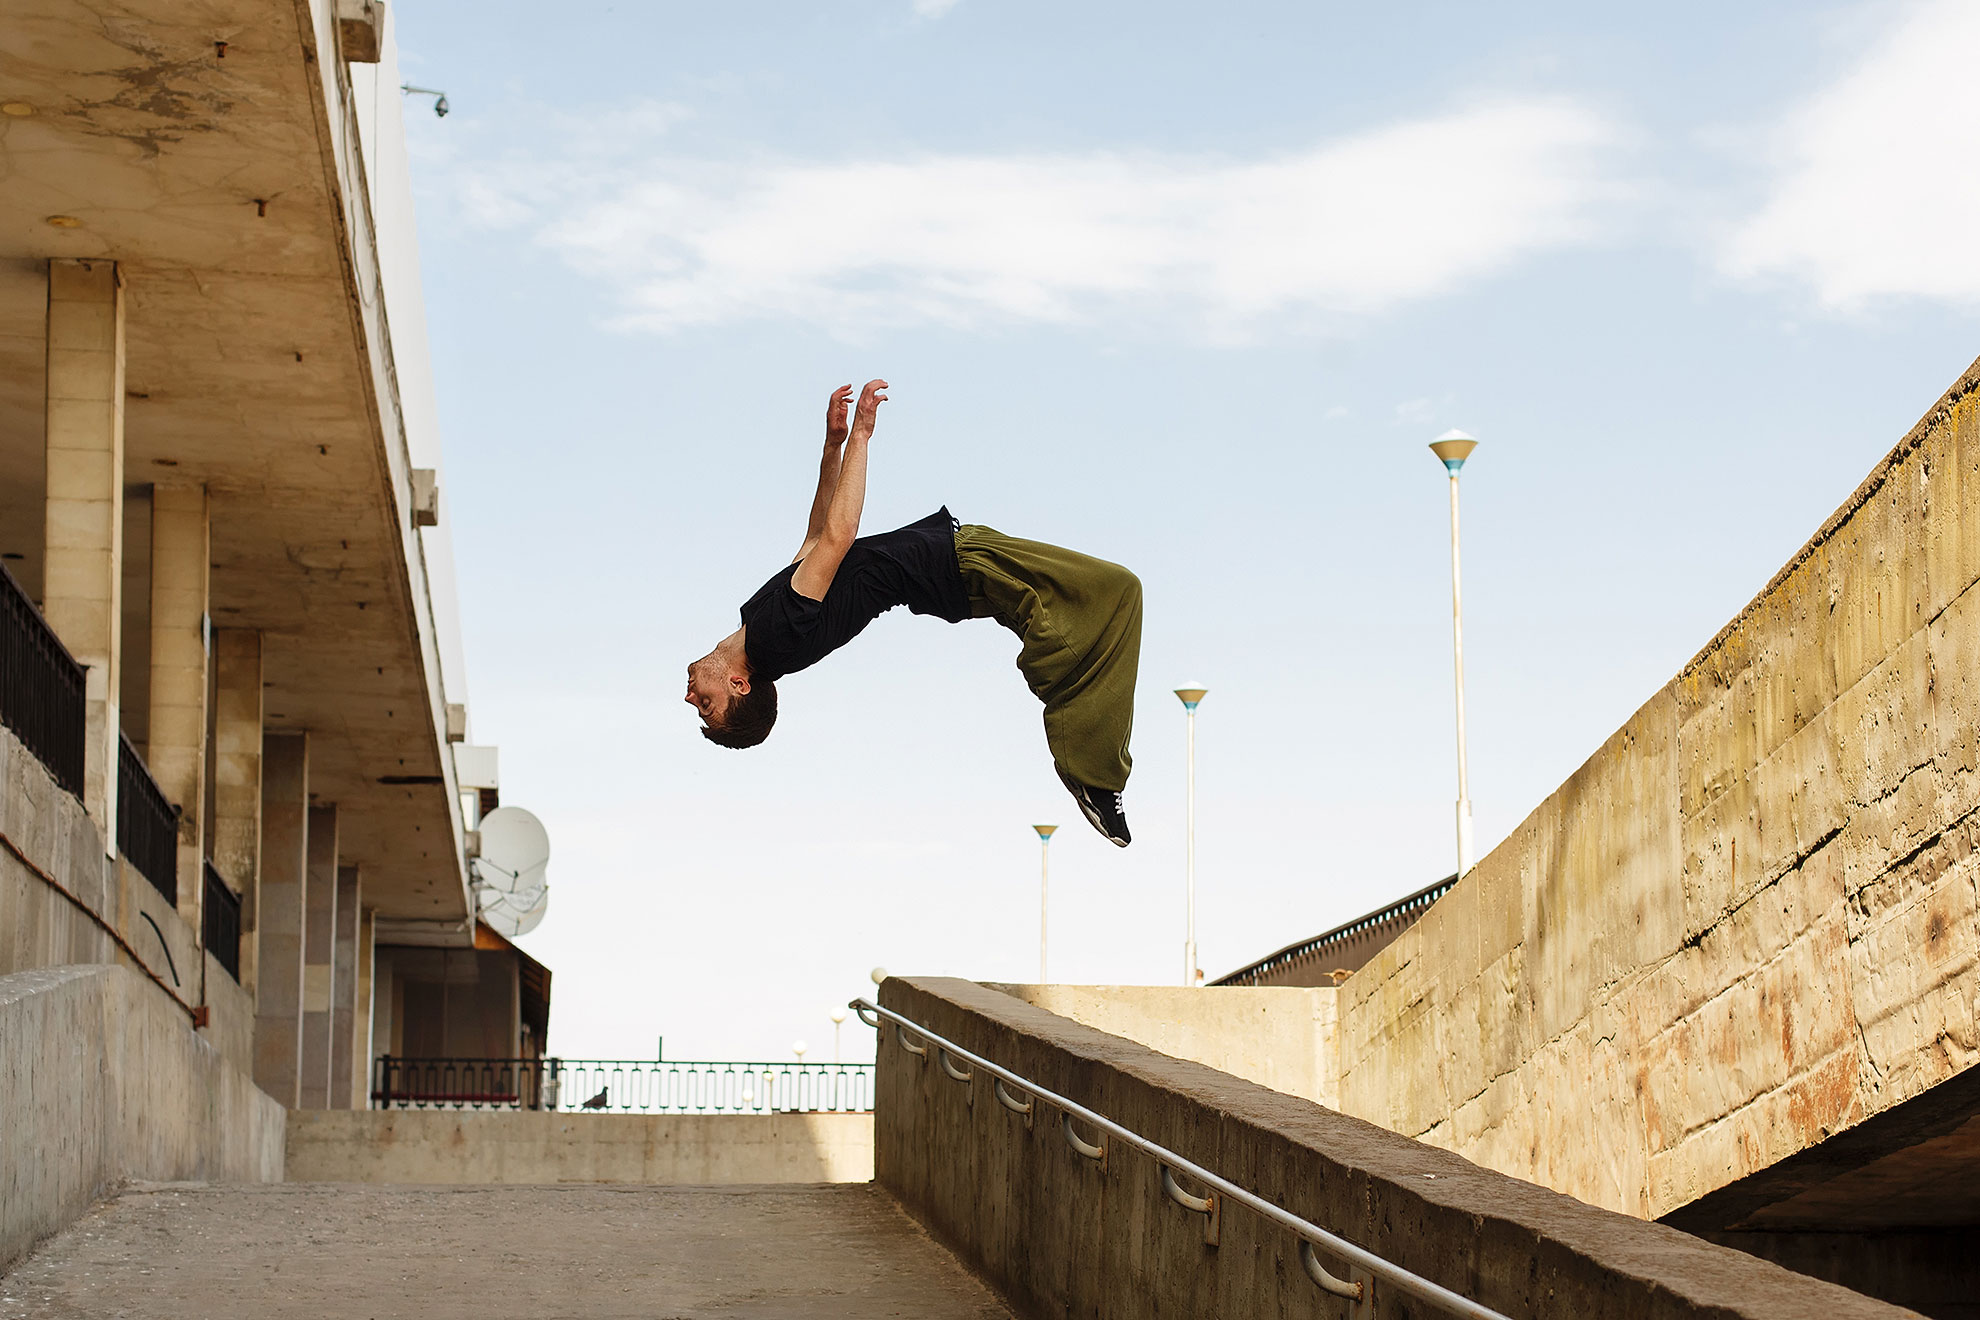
(41,687)
(147,822)
(221,921)
(1308,1232)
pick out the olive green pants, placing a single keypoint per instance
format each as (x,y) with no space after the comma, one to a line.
(1079,619)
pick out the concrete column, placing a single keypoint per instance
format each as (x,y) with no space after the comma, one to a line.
(134,653)
(180,564)
(319,957)
(278,1004)
(362,1016)
(343,989)
(237,780)
(384,1002)
(82,582)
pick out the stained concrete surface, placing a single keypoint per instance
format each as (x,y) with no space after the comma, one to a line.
(180,1251)
(525,1147)
(101,1081)
(1751,920)
(1062,1236)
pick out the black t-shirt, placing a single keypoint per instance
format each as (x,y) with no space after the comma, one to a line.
(914,566)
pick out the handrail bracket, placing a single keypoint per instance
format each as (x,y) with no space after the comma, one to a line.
(959,1074)
(1209,1206)
(1023,1109)
(1097,1152)
(1358,1288)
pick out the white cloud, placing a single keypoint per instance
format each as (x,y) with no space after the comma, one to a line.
(933,8)
(1414,412)
(1352,226)
(1879,191)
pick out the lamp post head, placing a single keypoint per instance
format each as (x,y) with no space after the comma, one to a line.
(878,974)
(1453,447)
(838,1016)
(798,1048)
(1191,694)
(1045,832)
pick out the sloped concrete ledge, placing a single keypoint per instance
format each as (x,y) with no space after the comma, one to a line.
(1062,1237)
(102,1080)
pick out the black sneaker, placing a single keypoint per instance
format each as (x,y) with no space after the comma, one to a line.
(1102,810)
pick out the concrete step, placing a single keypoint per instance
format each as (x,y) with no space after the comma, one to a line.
(197,1251)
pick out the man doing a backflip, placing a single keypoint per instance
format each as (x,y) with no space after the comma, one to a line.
(1079,618)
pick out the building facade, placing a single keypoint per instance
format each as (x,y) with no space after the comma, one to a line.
(233,691)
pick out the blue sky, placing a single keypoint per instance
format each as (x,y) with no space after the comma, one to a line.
(1188,287)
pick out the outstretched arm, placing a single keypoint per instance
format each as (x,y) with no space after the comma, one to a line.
(828,467)
(841,525)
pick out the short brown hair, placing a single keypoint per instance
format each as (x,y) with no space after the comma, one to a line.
(749,719)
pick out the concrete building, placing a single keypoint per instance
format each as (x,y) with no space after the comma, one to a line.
(459,1026)
(233,693)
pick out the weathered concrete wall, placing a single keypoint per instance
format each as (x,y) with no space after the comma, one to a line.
(1064,1237)
(44,829)
(1277,1036)
(101,1080)
(1749,921)
(426,1146)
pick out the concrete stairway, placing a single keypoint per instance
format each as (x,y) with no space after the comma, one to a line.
(194,1251)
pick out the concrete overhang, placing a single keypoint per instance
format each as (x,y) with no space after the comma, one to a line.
(1913,1166)
(210,148)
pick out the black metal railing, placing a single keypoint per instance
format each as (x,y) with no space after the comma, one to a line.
(221,923)
(622,1086)
(147,825)
(1327,958)
(41,687)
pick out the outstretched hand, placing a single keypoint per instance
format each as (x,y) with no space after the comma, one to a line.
(835,416)
(870,399)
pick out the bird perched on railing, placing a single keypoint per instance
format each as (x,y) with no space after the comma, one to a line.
(596,1101)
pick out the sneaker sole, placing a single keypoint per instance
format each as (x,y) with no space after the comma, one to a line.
(1092,816)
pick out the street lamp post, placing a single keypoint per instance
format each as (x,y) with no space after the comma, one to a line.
(838,1021)
(1044,890)
(1453,447)
(1191,697)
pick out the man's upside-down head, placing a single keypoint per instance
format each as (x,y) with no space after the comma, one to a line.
(736,710)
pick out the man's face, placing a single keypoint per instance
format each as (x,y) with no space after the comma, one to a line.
(709,690)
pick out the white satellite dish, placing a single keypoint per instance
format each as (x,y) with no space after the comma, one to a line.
(509,918)
(511,884)
(514,845)
(533,918)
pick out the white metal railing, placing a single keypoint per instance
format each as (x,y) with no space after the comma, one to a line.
(621,1086)
(1210,1206)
